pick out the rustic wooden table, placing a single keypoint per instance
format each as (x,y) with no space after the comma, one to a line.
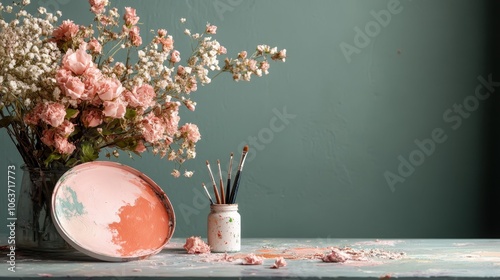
(415,258)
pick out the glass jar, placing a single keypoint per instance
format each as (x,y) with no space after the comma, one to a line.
(224,228)
(35,229)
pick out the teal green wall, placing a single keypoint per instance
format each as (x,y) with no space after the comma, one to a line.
(321,172)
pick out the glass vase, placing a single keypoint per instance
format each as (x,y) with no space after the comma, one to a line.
(35,229)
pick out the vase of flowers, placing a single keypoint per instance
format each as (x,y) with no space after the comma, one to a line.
(65,98)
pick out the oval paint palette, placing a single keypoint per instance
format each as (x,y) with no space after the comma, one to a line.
(112,212)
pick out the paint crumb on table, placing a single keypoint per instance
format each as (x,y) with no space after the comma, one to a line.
(214,258)
(340,255)
(335,256)
(252,259)
(194,245)
(279,262)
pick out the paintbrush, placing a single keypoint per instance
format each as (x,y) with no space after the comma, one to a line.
(222,195)
(208,194)
(217,197)
(228,186)
(236,183)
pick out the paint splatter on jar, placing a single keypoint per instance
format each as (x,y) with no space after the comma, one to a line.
(224,228)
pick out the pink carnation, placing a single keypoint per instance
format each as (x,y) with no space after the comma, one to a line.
(140,96)
(77,61)
(130,16)
(190,132)
(140,148)
(152,128)
(92,117)
(62,145)
(211,29)
(53,114)
(97,6)
(73,87)
(135,36)
(109,89)
(167,43)
(94,46)
(33,116)
(115,109)
(66,31)
(66,128)
(48,137)
(92,78)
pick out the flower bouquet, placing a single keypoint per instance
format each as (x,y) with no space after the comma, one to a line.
(64,97)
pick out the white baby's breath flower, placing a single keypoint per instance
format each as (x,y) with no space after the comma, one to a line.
(8,9)
(183,20)
(27,102)
(26,2)
(187,31)
(188,174)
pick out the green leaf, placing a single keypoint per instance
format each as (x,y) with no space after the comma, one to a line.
(51,158)
(130,114)
(71,113)
(88,152)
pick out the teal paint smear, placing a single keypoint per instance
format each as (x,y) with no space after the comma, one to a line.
(70,206)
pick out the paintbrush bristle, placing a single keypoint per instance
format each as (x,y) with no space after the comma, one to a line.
(207,162)
(245,149)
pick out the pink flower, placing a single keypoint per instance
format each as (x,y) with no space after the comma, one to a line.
(33,116)
(97,6)
(115,109)
(140,96)
(222,50)
(152,128)
(48,137)
(92,117)
(109,89)
(190,132)
(62,76)
(172,121)
(264,66)
(140,148)
(175,56)
(242,55)
(66,31)
(73,87)
(162,33)
(175,173)
(135,37)
(77,61)
(53,114)
(211,29)
(190,104)
(92,78)
(66,128)
(167,43)
(62,145)
(281,55)
(130,16)
(94,46)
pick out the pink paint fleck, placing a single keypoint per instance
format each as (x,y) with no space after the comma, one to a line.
(279,262)
(194,245)
(335,256)
(252,259)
